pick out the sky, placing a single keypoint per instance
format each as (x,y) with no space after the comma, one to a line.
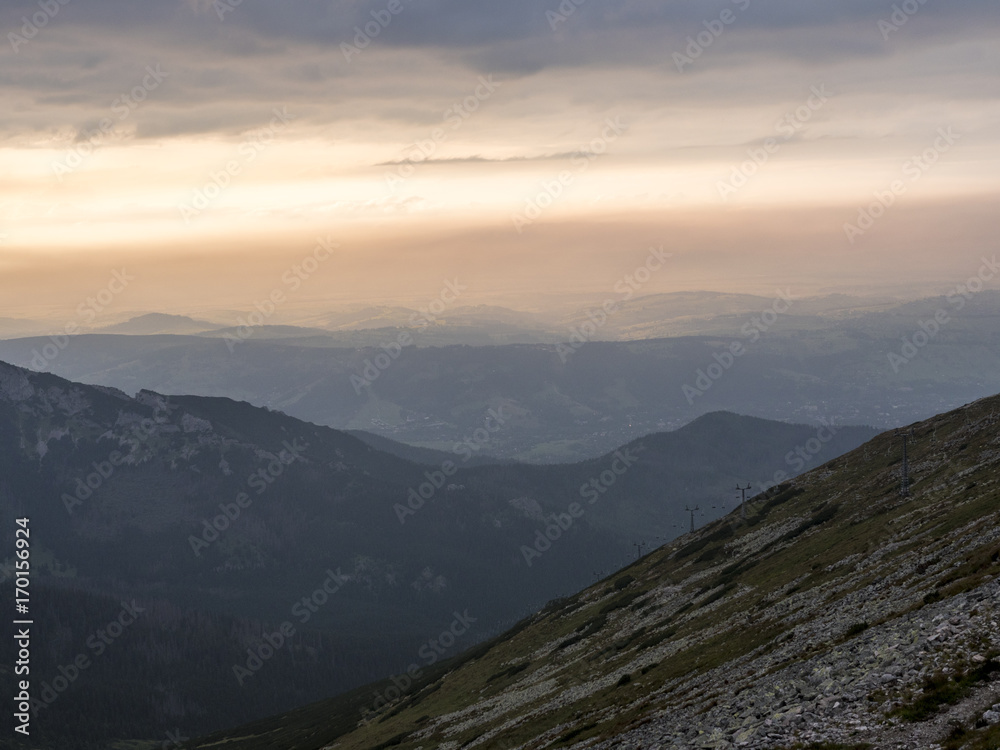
(526,149)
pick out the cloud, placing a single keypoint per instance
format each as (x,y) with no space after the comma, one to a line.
(605,58)
(482,159)
(822,28)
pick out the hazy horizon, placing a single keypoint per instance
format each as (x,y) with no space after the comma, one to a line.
(549,308)
(523,150)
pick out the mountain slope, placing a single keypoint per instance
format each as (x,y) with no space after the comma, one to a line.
(839,612)
(213,505)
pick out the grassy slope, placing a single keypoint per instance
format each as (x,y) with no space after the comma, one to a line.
(725,592)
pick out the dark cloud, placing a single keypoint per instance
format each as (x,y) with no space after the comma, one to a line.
(225,73)
(469,25)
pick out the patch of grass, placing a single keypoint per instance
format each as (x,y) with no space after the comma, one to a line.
(622,600)
(571,641)
(624,644)
(783,493)
(974,739)
(624,581)
(574,733)
(588,628)
(822,516)
(592,625)
(657,638)
(717,595)
(392,741)
(640,604)
(720,535)
(969,575)
(708,555)
(691,548)
(516,669)
(944,690)
(425,692)
(956,737)
(731,572)
(858,627)
(934,596)
(682,609)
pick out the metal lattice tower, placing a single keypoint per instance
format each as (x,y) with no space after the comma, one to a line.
(743,501)
(692,511)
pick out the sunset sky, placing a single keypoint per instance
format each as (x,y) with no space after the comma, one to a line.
(205,146)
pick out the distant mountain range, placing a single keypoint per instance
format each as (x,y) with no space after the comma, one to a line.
(646,316)
(229,521)
(157,323)
(571,401)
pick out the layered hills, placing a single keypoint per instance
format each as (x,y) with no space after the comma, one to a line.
(845,611)
(233,521)
(583,397)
